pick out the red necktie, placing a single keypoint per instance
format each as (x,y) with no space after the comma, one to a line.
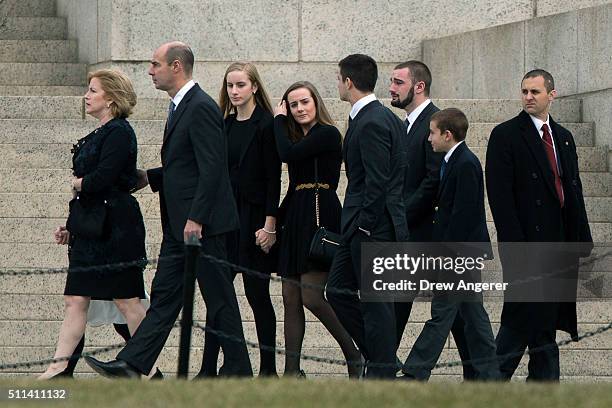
(550,153)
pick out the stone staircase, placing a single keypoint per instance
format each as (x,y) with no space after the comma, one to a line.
(42,115)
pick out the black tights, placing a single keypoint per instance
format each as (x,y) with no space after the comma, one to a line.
(257,291)
(122,329)
(295,298)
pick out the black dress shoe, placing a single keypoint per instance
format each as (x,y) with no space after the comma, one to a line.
(158,375)
(112,369)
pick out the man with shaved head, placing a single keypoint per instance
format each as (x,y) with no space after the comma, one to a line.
(195,199)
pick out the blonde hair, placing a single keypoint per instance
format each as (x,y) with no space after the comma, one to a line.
(261,96)
(322,115)
(118,89)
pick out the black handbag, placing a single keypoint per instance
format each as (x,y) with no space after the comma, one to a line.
(87,220)
(324,243)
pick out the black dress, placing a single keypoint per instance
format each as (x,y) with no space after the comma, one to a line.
(106,160)
(254,169)
(297,211)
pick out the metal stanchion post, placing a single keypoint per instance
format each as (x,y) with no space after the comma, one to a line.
(192,249)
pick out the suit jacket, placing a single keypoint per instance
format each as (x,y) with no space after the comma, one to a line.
(422,177)
(374,162)
(460,212)
(193,181)
(259,169)
(525,206)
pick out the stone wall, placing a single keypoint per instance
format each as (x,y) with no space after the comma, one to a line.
(576,47)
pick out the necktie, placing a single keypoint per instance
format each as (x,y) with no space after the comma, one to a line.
(170,113)
(442,168)
(407,124)
(550,153)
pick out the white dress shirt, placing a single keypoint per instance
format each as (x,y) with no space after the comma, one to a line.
(450,152)
(360,104)
(182,92)
(412,116)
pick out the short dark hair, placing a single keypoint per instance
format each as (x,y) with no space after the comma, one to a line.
(362,70)
(418,72)
(549,81)
(453,120)
(182,53)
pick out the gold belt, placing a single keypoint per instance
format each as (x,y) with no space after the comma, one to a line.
(311,186)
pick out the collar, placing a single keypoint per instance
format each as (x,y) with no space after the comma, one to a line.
(182,92)
(539,122)
(361,103)
(412,116)
(450,152)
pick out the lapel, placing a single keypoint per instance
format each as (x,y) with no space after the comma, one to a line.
(449,166)
(353,124)
(254,121)
(534,142)
(179,112)
(427,112)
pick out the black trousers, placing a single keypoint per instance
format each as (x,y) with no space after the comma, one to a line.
(543,365)
(470,323)
(167,301)
(370,324)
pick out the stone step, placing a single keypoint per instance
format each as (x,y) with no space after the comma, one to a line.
(34,28)
(573,363)
(151,131)
(38,51)
(30,90)
(28,8)
(44,73)
(57,156)
(36,333)
(54,205)
(50,180)
(47,306)
(41,107)
(39,230)
(477,110)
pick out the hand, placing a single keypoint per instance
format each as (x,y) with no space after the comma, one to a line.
(192,228)
(280,109)
(62,235)
(142,180)
(76,183)
(264,240)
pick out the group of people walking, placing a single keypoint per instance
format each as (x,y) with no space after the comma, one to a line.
(220,180)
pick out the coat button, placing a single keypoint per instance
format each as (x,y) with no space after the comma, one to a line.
(538,202)
(433,222)
(436,208)
(574,182)
(534,175)
(537,228)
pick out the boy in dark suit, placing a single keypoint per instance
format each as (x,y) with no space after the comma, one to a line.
(459,217)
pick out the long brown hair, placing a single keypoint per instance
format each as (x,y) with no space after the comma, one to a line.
(261,96)
(322,115)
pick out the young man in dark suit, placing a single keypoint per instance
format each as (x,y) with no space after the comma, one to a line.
(535,195)
(195,199)
(459,217)
(409,89)
(373,209)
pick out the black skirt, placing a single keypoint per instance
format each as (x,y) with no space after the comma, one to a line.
(299,225)
(123,242)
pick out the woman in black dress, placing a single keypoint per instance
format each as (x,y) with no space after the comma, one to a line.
(104,168)
(304,138)
(255,169)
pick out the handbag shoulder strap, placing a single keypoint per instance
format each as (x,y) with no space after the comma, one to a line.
(316,174)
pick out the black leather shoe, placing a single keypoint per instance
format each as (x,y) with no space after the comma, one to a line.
(112,369)
(158,375)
